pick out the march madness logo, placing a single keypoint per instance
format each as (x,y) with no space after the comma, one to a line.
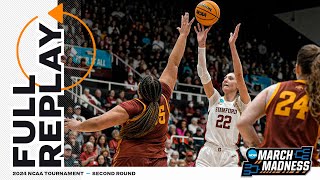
(290,161)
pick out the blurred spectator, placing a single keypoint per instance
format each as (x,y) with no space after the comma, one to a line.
(145,73)
(101,161)
(172,163)
(155,73)
(69,62)
(93,140)
(172,118)
(88,157)
(64,59)
(111,100)
(146,40)
(168,148)
(198,143)
(132,85)
(243,149)
(261,138)
(79,137)
(118,13)
(188,135)
(175,155)
(96,30)
(77,113)
(194,125)
(66,131)
(121,96)
(97,134)
(136,62)
(182,127)
(203,123)
(69,112)
(182,163)
(157,44)
(197,114)
(113,29)
(118,101)
(189,111)
(98,96)
(87,19)
(69,161)
(172,131)
(102,143)
(280,75)
(75,145)
(178,114)
(113,143)
(83,64)
(87,97)
(189,159)
(186,145)
(106,155)
(257,87)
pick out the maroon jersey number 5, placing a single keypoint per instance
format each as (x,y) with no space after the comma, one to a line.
(162,115)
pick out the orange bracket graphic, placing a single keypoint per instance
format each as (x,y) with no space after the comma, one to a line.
(57,13)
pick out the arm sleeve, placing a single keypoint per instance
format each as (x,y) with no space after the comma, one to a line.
(96,101)
(133,107)
(214,98)
(166,91)
(202,66)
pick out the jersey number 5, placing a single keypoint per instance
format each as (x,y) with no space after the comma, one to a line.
(289,97)
(223,121)
(162,115)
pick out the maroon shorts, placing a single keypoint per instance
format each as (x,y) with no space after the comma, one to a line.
(140,161)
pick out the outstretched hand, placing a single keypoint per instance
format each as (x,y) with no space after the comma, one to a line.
(234,35)
(202,35)
(184,29)
(71,123)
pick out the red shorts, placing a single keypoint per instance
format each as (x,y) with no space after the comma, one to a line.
(139,161)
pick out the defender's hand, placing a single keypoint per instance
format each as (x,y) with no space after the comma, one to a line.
(184,29)
(72,124)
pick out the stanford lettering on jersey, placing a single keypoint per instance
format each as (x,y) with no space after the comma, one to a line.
(226,110)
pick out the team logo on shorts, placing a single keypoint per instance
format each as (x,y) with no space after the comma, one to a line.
(265,161)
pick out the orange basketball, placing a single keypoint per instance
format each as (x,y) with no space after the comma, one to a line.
(207,13)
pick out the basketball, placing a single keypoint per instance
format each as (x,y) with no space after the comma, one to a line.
(207,13)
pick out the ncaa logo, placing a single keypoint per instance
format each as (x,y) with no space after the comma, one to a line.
(252,154)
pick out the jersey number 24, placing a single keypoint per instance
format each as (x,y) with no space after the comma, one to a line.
(284,107)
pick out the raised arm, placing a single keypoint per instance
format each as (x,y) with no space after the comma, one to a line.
(202,63)
(169,75)
(244,95)
(116,116)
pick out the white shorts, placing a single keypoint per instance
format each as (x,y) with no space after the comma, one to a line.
(215,156)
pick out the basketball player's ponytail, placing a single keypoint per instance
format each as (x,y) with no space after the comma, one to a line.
(309,61)
(313,89)
(150,91)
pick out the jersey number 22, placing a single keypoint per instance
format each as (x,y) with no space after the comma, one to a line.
(223,121)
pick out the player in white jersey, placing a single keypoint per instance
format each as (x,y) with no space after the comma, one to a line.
(222,134)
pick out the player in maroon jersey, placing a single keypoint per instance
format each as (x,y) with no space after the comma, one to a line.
(144,120)
(292,108)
